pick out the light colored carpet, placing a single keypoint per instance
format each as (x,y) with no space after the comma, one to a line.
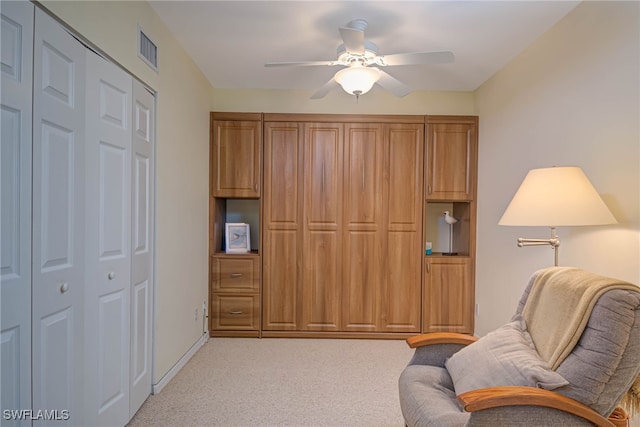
(283,382)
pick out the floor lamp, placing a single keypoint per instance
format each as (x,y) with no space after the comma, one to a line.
(555,197)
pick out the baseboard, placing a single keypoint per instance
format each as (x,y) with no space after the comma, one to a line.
(157,387)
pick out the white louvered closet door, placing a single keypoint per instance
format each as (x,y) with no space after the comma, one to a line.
(15,206)
(58,220)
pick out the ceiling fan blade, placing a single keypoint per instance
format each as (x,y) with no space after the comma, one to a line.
(353,36)
(300,63)
(415,58)
(392,84)
(325,89)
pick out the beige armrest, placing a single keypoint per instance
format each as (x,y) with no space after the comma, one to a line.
(494,397)
(440,338)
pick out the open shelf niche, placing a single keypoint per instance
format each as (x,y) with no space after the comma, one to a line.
(437,230)
(235,210)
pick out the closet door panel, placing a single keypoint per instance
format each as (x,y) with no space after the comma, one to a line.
(362,227)
(283,156)
(321,288)
(404,155)
(321,296)
(281,272)
(323,168)
(58,222)
(107,242)
(402,290)
(143,149)
(15,216)
(360,288)
(363,163)
(403,226)
(280,281)
(54,368)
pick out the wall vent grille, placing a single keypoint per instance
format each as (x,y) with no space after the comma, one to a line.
(147,50)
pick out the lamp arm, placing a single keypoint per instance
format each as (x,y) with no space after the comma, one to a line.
(537,242)
(554,241)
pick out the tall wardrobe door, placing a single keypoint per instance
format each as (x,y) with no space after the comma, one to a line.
(322,227)
(282,225)
(58,218)
(107,242)
(142,203)
(362,245)
(403,227)
(15,228)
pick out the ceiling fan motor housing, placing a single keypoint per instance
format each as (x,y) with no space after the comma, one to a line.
(368,58)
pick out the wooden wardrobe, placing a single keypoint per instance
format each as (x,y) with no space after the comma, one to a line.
(342,227)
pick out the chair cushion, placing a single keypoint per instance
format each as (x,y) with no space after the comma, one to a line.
(607,358)
(505,356)
(427,398)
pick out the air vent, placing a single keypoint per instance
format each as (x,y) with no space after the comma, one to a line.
(147,50)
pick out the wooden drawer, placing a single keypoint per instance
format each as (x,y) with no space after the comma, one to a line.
(235,274)
(235,312)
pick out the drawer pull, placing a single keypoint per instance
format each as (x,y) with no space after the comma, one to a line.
(236,274)
(235,312)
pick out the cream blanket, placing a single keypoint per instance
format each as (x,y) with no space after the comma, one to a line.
(564,296)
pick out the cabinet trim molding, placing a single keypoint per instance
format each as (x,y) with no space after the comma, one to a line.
(342,118)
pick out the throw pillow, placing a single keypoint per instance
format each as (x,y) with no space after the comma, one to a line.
(506,356)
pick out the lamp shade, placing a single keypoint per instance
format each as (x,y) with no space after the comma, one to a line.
(557,196)
(357,80)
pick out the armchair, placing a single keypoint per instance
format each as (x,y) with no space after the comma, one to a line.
(568,356)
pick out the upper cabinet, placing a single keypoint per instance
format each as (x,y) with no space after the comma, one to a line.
(235,154)
(451,157)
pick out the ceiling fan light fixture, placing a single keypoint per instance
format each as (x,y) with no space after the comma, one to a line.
(357,80)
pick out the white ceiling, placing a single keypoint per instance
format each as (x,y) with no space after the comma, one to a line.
(231,40)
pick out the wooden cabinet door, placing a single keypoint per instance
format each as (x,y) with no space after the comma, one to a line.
(362,216)
(282,225)
(402,224)
(448,295)
(451,158)
(320,293)
(235,158)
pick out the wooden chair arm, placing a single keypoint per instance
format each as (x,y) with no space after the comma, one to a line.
(494,397)
(440,338)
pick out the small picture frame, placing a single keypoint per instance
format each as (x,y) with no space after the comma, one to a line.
(237,238)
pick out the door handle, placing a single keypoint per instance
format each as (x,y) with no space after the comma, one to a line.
(64,287)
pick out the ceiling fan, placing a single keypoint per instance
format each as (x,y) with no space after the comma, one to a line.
(363,64)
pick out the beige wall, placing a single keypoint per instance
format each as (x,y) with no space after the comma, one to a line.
(377,101)
(572,98)
(183,103)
